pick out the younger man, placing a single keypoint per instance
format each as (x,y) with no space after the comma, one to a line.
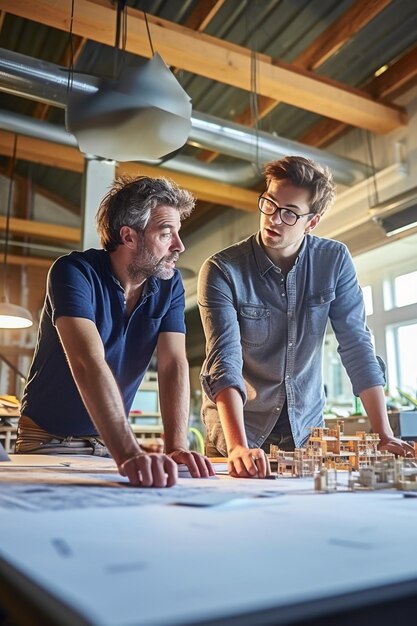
(264,305)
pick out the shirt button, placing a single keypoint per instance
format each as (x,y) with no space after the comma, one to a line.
(290,344)
(288,376)
(277,410)
(283,294)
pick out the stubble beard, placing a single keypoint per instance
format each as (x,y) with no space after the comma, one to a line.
(146,264)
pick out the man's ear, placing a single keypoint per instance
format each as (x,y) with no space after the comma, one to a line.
(128,236)
(313,222)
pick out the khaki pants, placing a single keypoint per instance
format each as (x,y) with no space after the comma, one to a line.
(31,439)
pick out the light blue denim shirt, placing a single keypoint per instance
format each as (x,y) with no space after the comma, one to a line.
(265,334)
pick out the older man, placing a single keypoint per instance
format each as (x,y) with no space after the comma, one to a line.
(105,312)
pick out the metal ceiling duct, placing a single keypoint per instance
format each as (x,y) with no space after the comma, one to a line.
(241,142)
(241,174)
(46,82)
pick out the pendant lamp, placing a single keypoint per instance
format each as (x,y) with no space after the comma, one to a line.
(11,315)
(144,114)
(141,113)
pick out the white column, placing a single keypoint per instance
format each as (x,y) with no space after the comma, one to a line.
(98,177)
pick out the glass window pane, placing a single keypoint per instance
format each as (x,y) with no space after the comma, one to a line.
(367,296)
(407,343)
(405,287)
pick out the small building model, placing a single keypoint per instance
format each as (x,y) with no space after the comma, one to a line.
(329,450)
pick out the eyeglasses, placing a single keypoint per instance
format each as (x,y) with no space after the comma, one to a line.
(288,217)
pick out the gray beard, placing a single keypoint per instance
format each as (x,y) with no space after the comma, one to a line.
(146,264)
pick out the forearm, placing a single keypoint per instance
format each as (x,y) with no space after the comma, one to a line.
(106,409)
(373,400)
(174,398)
(230,408)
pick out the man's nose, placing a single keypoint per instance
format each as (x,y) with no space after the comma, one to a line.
(276,217)
(177,244)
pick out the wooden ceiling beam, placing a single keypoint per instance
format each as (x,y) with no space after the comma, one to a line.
(55,155)
(42,230)
(323,133)
(203,188)
(328,43)
(217,60)
(354,19)
(42,152)
(200,17)
(202,14)
(8,350)
(29,261)
(399,77)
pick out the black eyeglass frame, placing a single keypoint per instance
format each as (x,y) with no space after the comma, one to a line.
(280,209)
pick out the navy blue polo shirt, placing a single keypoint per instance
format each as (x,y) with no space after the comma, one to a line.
(82,284)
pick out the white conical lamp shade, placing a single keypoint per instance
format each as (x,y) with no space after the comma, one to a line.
(144,114)
(13,316)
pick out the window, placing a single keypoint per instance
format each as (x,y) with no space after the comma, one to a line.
(367,296)
(401,351)
(337,385)
(405,289)
(407,342)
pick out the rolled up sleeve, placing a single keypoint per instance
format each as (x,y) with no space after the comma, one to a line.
(223,365)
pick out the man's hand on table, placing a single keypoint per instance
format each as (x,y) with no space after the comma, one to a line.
(198,465)
(248,463)
(150,470)
(397,446)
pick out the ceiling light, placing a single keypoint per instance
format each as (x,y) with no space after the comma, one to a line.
(144,114)
(14,316)
(399,222)
(381,70)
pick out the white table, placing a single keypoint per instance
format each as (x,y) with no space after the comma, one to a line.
(82,547)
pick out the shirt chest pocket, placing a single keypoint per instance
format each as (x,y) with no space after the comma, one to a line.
(254,320)
(318,307)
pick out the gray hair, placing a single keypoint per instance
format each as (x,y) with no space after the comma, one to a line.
(130,202)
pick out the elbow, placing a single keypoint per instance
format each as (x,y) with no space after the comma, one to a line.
(174,368)
(84,370)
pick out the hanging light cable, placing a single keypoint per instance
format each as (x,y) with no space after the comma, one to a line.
(11,315)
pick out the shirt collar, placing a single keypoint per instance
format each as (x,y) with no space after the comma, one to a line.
(150,287)
(263,261)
